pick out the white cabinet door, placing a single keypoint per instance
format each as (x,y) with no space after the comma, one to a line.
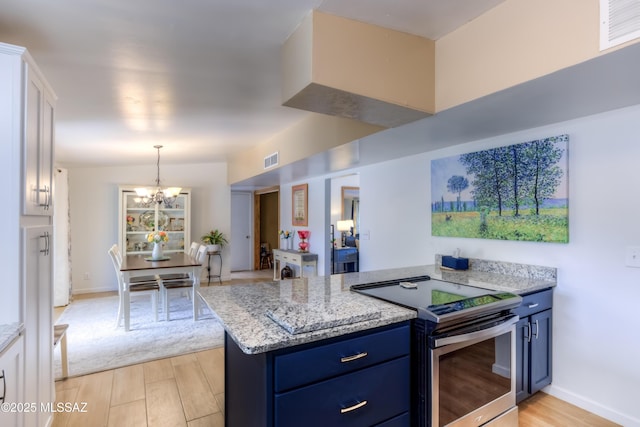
(33,111)
(11,373)
(38,146)
(39,382)
(45,179)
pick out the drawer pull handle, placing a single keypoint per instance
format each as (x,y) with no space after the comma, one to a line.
(354,407)
(4,387)
(347,359)
(533,305)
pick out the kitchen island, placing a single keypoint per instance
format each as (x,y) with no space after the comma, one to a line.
(297,347)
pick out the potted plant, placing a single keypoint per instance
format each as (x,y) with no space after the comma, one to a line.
(215,240)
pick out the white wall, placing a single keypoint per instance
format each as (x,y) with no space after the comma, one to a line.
(318,237)
(94,213)
(596,338)
(596,343)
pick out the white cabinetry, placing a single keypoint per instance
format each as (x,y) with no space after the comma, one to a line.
(39,385)
(27,106)
(138,219)
(38,147)
(11,371)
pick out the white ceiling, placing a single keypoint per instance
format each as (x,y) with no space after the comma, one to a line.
(201,77)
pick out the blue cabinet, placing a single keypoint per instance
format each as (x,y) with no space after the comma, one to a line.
(345,260)
(533,344)
(361,379)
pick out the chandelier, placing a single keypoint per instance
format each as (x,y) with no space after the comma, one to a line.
(158,194)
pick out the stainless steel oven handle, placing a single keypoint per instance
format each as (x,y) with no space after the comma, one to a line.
(484,333)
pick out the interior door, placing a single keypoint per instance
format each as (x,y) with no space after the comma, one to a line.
(241,231)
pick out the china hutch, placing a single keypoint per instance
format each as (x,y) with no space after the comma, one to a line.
(138,218)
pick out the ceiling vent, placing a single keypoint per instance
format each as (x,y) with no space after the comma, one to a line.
(271,160)
(619,22)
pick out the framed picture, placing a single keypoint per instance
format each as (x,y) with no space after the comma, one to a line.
(299,205)
(515,192)
(177,224)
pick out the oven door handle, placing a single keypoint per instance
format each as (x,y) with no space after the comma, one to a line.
(493,331)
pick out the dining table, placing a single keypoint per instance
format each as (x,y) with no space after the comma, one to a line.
(172,263)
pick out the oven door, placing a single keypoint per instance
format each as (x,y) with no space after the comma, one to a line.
(473,374)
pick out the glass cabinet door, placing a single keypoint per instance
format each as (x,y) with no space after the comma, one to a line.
(172,220)
(138,219)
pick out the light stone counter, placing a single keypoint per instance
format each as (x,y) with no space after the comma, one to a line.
(498,275)
(246,311)
(8,333)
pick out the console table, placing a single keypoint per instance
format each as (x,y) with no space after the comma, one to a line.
(289,256)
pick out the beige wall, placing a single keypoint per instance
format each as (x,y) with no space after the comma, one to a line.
(373,61)
(297,59)
(314,134)
(517,41)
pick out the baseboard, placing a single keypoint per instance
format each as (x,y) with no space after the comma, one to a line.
(591,406)
(77,291)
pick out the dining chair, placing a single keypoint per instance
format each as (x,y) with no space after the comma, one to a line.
(265,255)
(193,251)
(181,285)
(139,279)
(151,288)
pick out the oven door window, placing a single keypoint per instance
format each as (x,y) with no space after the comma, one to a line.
(469,377)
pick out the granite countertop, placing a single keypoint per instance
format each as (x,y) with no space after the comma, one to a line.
(8,333)
(267,316)
(496,281)
(246,311)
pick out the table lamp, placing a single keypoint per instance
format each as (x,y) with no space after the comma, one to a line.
(343,226)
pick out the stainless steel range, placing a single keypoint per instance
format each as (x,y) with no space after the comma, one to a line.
(463,351)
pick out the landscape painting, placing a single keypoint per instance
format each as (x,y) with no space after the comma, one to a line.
(515,192)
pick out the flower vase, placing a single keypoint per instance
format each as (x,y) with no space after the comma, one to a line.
(157,251)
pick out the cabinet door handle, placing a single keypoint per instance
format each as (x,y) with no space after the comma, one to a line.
(534,305)
(537,330)
(528,331)
(47,197)
(347,359)
(4,387)
(47,194)
(44,237)
(354,407)
(46,249)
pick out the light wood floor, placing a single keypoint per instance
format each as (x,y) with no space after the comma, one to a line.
(179,391)
(188,391)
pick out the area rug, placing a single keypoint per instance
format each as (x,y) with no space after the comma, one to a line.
(94,343)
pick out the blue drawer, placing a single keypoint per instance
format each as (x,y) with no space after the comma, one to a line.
(320,363)
(535,303)
(363,398)
(346,255)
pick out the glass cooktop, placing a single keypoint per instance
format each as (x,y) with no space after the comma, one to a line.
(440,301)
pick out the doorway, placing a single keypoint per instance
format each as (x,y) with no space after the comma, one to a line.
(266,204)
(344,224)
